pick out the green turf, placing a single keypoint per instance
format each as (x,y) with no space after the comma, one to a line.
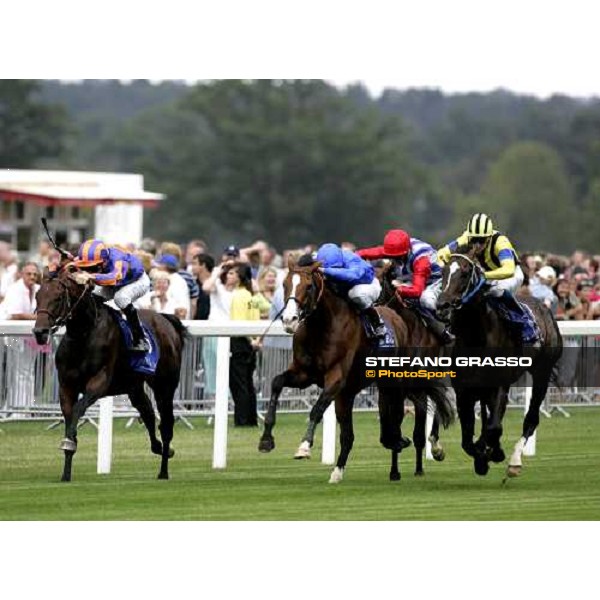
(561,482)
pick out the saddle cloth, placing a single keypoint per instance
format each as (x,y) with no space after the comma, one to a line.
(140,363)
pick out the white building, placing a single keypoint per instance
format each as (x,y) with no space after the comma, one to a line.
(77,204)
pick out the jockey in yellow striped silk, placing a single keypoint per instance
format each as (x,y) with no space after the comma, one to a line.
(500,263)
(119,276)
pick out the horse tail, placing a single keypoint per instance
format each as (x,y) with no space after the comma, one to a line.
(442,398)
(180,328)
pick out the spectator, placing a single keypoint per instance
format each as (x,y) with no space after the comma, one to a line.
(20,301)
(348,246)
(568,306)
(243,350)
(267,284)
(220,292)
(202,267)
(192,249)
(8,268)
(148,245)
(43,256)
(231,253)
(178,288)
(540,287)
(160,300)
(584,291)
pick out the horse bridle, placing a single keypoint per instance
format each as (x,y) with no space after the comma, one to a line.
(304,312)
(476,282)
(61,320)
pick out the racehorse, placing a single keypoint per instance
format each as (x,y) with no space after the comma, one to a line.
(477,326)
(92,359)
(329,342)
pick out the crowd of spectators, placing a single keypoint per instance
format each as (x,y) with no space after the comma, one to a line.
(193,282)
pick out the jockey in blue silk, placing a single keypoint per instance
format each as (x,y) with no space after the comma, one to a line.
(356,277)
(119,276)
(500,264)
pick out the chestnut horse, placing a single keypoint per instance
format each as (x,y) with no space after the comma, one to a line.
(328,348)
(478,327)
(92,360)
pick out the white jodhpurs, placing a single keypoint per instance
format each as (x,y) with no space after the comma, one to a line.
(364,295)
(430,295)
(512,284)
(126,295)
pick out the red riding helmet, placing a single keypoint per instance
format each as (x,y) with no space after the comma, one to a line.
(396,243)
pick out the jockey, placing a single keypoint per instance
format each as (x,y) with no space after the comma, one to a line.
(355,275)
(416,274)
(500,264)
(118,276)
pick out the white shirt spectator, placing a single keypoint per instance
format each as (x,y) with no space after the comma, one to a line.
(18,300)
(179,293)
(220,303)
(8,275)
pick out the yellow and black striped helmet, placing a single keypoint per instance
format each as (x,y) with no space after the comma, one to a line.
(480,225)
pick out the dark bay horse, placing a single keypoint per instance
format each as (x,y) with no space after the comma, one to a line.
(328,341)
(92,360)
(477,326)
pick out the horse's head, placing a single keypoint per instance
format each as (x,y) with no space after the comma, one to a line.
(303,288)
(462,278)
(59,294)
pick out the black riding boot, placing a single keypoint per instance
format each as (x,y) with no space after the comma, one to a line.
(139,344)
(376,321)
(439,329)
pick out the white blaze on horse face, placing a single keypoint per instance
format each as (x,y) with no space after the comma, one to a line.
(454,267)
(290,314)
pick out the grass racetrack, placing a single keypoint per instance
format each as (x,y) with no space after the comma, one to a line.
(561,482)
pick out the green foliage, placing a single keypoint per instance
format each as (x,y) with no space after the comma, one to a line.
(528,189)
(29,129)
(298,161)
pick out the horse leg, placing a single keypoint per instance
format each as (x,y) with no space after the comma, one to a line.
(68,397)
(465,405)
(140,401)
(391,414)
(437,450)
(316,416)
(480,455)
(530,422)
(289,378)
(419,435)
(164,402)
(494,426)
(343,412)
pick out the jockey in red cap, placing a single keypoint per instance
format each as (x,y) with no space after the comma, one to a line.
(416,274)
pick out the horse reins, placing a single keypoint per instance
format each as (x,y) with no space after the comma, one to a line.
(60,321)
(305,314)
(474,284)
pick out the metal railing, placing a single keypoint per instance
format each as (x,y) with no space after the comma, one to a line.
(29,383)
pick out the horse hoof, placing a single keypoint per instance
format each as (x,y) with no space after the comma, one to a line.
(394,476)
(303,451)
(171,452)
(162,475)
(266,445)
(481,465)
(68,445)
(419,473)
(438,454)
(513,470)
(336,475)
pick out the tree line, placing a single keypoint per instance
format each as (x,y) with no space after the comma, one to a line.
(298,161)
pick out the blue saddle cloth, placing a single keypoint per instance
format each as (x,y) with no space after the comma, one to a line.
(140,363)
(389,341)
(524,321)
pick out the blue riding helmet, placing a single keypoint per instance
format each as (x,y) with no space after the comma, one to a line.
(331,256)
